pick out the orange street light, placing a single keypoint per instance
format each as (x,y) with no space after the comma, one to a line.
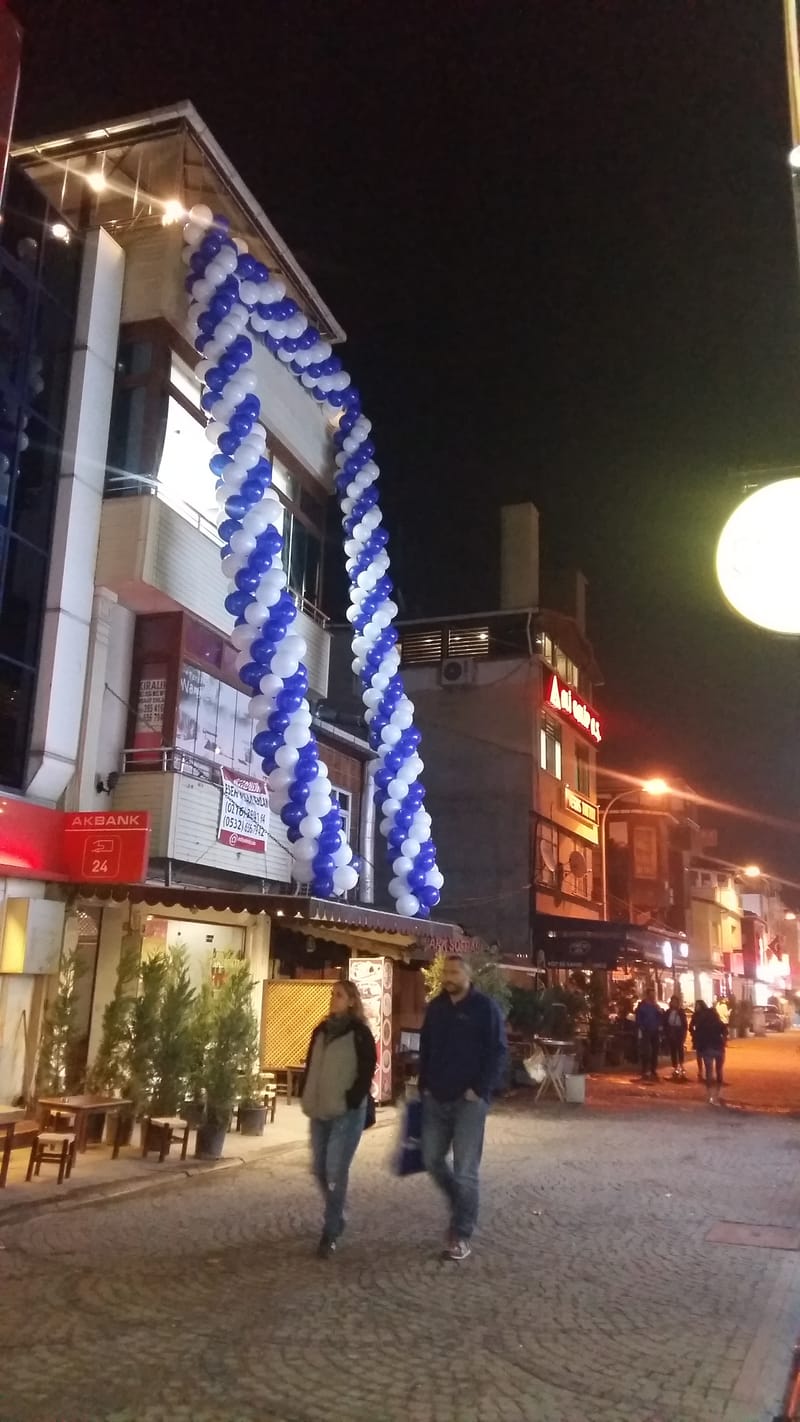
(751,871)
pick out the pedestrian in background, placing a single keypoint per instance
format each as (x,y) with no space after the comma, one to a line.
(649,1021)
(677,1025)
(709,1039)
(339,1071)
(463,1053)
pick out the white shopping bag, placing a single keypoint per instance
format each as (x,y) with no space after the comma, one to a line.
(534,1066)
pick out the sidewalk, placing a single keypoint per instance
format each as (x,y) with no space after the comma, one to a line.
(96,1176)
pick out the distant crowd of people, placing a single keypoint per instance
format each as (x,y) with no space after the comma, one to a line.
(707,1028)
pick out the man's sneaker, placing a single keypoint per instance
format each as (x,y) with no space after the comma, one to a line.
(326,1247)
(461,1249)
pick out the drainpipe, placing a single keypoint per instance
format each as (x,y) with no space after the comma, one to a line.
(366,837)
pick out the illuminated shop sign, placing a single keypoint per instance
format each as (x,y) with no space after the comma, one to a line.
(564,700)
(579,806)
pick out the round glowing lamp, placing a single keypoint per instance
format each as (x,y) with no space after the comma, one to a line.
(757,557)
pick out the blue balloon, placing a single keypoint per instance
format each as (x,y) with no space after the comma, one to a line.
(227,528)
(247,579)
(323,865)
(429,896)
(251,674)
(237,602)
(292,814)
(277,720)
(266,742)
(229,442)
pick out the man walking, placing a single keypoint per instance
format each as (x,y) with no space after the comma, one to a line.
(649,1018)
(463,1051)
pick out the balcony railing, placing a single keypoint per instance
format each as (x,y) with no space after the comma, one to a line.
(172,760)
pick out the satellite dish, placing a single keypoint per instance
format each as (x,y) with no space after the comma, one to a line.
(577,864)
(548,857)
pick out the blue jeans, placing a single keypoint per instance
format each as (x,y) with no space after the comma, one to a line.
(456,1126)
(333,1145)
(712,1062)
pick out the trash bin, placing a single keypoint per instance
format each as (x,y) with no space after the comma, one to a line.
(575,1087)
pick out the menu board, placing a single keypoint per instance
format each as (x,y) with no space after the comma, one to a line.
(373,978)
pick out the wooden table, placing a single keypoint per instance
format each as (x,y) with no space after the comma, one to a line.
(294,1078)
(82,1107)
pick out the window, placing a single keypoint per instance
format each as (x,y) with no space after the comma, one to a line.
(561,663)
(550,747)
(38,289)
(420,647)
(583,772)
(345,799)
(546,647)
(645,852)
(468,642)
(213,725)
(547,857)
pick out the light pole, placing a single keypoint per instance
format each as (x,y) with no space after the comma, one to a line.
(655,787)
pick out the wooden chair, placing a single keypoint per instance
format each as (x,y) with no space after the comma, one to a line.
(15,1135)
(55,1147)
(160,1132)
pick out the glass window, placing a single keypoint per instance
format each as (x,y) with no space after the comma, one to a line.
(22,601)
(127,465)
(583,772)
(36,485)
(346,806)
(16,706)
(185,481)
(561,663)
(550,748)
(134,358)
(214,726)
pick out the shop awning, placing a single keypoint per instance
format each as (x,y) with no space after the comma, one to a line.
(591,943)
(338,921)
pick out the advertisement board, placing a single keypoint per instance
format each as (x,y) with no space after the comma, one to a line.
(244,812)
(373,978)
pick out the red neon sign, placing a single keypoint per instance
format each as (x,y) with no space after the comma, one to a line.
(564,700)
(38,843)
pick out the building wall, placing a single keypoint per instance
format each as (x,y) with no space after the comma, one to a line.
(479,773)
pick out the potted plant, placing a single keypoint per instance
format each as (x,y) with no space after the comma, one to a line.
(252,1090)
(60,1027)
(226,1056)
(108,1074)
(143,1033)
(599,1022)
(173,1046)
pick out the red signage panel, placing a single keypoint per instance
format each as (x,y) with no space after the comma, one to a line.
(572,707)
(31,841)
(107,848)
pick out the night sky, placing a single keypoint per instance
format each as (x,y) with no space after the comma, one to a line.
(559,234)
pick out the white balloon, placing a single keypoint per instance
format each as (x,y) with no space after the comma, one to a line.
(242,636)
(280,779)
(318,806)
(242,542)
(297,735)
(402,866)
(301,871)
(283,664)
(201,215)
(342,856)
(260,707)
(408,905)
(435,877)
(255,522)
(270,685)
(398,789)
(397,887)
(304,849)
(287,756)
(311,827)
(256,614)
(294,645)
(410,848)
(345,878)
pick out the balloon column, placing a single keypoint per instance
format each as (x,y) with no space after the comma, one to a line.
(235,299)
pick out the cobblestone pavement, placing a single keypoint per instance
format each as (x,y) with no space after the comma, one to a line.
(593,1294)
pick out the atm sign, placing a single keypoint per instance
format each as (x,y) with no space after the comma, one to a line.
(110,849)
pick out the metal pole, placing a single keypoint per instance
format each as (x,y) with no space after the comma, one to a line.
(603,862)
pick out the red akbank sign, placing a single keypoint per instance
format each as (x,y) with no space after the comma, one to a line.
(564,700)
(37,843)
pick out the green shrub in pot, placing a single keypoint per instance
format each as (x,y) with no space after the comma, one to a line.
(224,1054)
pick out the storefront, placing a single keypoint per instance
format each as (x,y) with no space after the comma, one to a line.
(633,958)
(295,948)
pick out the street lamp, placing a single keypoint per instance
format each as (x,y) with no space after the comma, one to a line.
(751,871)
(655,787)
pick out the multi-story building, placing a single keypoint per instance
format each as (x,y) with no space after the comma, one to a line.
(504,702)
(118,682)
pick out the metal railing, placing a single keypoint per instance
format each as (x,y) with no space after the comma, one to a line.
(173,760)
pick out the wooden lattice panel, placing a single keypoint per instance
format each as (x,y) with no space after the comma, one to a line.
(290,1013)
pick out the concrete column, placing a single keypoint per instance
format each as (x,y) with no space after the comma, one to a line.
(82,794)
(70,589)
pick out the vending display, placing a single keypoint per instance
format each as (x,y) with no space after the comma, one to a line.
(373,978)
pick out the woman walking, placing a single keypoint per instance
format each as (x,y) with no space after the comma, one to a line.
(339,1071)
(709,1040)
(677,1026)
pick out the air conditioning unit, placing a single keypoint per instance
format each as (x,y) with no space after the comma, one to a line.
(457,671)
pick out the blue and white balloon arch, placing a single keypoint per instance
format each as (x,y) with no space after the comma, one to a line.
(234,300)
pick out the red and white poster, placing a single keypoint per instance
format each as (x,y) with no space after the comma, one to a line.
(373,978)
(148,732)
(244,812)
